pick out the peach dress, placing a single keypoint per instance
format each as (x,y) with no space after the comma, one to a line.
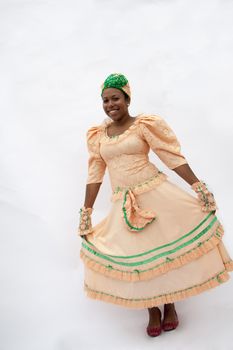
(156,245)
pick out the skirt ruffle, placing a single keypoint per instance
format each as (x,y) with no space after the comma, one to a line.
(179,255)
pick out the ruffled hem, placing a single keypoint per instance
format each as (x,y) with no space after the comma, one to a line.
(140,275)
(159,299)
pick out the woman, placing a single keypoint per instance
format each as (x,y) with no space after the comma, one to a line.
(158,244)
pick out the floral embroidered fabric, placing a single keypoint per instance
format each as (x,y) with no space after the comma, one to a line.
(128,154)
(146,132)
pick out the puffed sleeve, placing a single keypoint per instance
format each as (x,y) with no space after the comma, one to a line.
(96,164)
(162,140)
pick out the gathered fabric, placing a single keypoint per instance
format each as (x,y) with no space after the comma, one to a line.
(135,218)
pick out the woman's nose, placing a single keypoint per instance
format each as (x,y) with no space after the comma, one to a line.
(110,103)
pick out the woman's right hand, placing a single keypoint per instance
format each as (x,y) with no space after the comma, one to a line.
(85,225)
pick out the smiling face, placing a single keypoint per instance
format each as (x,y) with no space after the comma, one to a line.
(115,103)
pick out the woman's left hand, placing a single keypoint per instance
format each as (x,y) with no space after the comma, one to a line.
(206,198)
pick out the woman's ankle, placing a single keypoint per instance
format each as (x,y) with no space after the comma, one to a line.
(169,306)
(154,311)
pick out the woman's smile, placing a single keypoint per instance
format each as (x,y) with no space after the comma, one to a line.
(113,111)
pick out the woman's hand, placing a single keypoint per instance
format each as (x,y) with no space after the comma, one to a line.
(85,225)
(205,197)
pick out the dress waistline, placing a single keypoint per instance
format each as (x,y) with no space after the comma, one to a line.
(140,187)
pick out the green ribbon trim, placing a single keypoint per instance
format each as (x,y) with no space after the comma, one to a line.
(106,257)
(161,264)
(162,246)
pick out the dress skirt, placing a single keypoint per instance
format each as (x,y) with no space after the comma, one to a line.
(180,254)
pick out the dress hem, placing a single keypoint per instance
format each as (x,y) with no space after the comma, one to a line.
(215,281)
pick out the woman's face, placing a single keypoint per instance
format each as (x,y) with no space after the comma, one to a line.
(115,104)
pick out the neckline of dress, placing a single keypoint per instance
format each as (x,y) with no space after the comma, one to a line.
(109,122)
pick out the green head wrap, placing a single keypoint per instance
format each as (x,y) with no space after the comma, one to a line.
(117,81)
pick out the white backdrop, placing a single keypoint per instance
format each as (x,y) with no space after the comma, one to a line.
(54,55)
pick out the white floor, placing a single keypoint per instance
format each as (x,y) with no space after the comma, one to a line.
(53,57)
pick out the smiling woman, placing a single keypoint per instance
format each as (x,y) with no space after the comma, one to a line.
(158,244)
(116,101)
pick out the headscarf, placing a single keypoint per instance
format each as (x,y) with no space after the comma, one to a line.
(117,81)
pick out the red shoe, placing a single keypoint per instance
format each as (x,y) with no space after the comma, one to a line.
(154,331)
(169,326)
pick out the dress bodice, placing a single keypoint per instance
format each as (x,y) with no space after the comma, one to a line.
(126,155)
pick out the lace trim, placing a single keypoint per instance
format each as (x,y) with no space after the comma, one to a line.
(169,264)
(113,139)
(157,300)
(141,118)
(141,187)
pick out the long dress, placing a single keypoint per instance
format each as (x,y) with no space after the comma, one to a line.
(156,245)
